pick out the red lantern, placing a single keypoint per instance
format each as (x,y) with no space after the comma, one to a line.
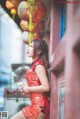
(22,11)
(40,12)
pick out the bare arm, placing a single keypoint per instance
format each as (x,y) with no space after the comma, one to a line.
(44,87)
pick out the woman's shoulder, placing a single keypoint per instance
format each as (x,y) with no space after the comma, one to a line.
(37,62)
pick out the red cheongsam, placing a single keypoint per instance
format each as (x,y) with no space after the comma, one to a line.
(39,101)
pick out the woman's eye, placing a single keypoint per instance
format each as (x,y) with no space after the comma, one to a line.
(31,46)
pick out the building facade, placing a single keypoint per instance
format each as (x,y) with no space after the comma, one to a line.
(65,60)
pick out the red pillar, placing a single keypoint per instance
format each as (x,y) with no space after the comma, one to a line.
(54,40)
(54,26)
(54,97)
(72,63)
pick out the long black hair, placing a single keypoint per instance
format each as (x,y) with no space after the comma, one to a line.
(41,45)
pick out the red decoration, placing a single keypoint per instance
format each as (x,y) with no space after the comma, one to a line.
(31,12)
(36,36)
(39,27)
(9,5)
(12,4)
(36,27)
(37,13)
(40,12)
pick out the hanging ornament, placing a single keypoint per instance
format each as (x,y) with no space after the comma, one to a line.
(38,27)
(30,37)
(24,25)
(9,5)
(30,28)
(38,12)
(31,3)
(35,27)
(12,6)
(22,11)
(31,12)
(13,12)
(31,25)
(36,36)
(12,3)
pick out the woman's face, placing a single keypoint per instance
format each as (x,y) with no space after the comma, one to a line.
(30,50)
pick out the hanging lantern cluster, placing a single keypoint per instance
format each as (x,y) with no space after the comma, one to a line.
(31,13)
(36,10)
(12,5)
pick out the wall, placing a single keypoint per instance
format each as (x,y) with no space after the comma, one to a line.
(67,60)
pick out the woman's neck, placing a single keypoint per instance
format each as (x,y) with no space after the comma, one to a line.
(34,59)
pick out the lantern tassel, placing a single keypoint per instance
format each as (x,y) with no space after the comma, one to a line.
(13,16)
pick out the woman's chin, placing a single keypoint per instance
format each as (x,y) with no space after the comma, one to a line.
(28,55)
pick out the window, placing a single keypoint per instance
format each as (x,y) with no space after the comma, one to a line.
(62,20)
(61,92)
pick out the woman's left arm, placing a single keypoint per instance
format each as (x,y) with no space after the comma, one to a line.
(44,87)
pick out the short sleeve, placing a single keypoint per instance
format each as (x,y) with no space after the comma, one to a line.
(37,62)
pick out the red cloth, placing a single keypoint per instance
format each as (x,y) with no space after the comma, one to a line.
(37,99)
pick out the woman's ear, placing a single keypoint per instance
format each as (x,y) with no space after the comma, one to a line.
(39,52)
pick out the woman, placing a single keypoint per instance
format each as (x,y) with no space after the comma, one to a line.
(38,83)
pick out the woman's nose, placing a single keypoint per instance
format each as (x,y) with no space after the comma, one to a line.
(28,48)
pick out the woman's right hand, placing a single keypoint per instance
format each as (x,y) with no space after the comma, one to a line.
(24,88)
